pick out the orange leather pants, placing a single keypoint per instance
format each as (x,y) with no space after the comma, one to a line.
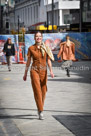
(39,81)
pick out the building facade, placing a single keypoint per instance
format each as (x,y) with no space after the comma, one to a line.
(8,16)
(34,12)
(65,12)
(30,13)
(86,10)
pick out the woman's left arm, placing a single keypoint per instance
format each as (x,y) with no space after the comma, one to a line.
(50,67)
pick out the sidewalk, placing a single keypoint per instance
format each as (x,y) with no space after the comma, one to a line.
(67,108)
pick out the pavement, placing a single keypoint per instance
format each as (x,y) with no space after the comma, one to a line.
(67,109)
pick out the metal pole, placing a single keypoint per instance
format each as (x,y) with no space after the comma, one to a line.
(47,21)
(47,16)
(52,14)
(80,19)
(18,24)
(0,17)
(14,19)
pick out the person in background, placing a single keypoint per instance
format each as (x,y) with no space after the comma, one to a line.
(67,54)
(41,55)
(9,51)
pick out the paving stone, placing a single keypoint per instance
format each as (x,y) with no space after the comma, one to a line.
(65,96)
(79,125)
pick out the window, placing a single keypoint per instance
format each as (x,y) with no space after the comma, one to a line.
(89,4)
(85,6)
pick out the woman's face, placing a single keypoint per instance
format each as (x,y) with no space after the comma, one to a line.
(38,38)
(67,38)
(9,41)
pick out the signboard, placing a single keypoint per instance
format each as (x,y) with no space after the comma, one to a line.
(82,43)
(11,3)
(2,2)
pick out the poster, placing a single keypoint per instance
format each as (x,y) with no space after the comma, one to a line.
(3,39)
(82,43)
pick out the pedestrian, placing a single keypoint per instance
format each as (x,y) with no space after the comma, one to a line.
(67,53)
(41,55)
(9,51)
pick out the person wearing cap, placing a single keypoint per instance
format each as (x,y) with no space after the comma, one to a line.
(9,51)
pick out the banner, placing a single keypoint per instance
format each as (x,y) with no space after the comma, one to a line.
(82,43)
(3,39)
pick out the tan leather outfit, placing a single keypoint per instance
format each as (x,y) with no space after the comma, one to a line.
(38,75)
(67,52)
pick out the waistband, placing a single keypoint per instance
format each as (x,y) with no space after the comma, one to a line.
(40,67)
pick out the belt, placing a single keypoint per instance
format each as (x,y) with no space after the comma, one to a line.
(40,67)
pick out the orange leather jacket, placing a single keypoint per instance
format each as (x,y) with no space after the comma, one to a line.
(67,52)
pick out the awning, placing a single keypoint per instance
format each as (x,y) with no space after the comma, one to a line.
(37,24)
(33,27)
(42,27)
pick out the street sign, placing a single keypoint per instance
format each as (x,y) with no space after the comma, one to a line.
(11,3)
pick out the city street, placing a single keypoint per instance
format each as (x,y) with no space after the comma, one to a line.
(67,109)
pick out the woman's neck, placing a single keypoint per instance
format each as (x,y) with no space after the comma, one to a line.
(68,40)
(37,43)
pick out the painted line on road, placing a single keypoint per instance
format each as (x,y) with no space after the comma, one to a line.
(7,78)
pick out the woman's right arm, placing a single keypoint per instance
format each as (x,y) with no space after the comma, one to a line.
(26,68)
(60,51)
(4,49)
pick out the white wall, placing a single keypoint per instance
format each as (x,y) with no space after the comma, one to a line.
(61,17)
(69,4)
(42,12)
(31,13)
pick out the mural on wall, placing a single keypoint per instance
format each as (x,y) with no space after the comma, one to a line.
(82,43)
(3,39)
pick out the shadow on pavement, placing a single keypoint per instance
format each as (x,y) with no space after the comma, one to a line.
(79,125)
(79,80)
(44,110)
(81,68)
(18,116)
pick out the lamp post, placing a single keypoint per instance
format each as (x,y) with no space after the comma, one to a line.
(7,16)
(80,19)
(1,17)
(47,15)
(52,15)
(18,24)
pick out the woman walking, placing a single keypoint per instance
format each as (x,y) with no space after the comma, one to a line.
(9,51)
(67,53)
(40,53)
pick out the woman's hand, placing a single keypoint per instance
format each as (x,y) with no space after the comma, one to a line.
(4,53)
(52,75)
(26,68)
(58,56)
(25,77)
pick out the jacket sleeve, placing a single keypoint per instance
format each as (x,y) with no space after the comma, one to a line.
(13,50)
(29,53)
(73,48)
(61,50)
(4,49)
